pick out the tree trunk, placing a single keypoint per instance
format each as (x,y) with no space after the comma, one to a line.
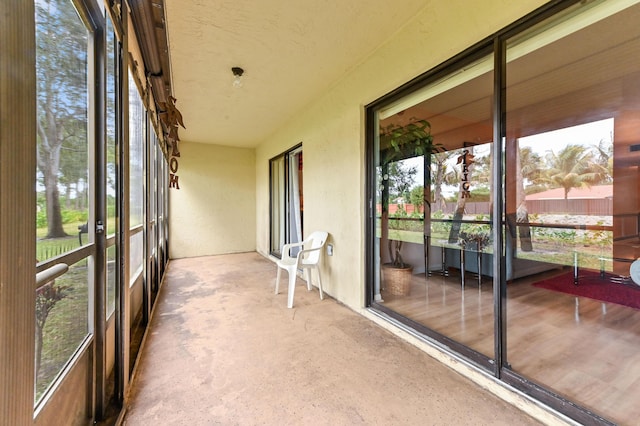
(522,214)
(454,233)
(67,195)
(54,214)
(438,199)
(49,163)
(38,347)
(439,202)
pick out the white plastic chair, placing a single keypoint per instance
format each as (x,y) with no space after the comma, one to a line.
(308,258)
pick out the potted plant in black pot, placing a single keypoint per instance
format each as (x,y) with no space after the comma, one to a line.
(399,142)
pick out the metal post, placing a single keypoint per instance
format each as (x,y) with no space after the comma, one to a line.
(575,268)
(445,271)
(462,266)
(479,263)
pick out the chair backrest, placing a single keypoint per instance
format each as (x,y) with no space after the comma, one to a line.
(315,240)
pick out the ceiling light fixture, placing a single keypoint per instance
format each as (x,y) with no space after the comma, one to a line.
(237,74)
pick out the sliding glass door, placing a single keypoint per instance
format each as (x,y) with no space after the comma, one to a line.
(287,202)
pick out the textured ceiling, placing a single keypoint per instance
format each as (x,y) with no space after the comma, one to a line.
(291,51)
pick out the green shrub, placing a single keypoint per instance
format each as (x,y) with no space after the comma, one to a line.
(41,219)
(74,216)
(68,216)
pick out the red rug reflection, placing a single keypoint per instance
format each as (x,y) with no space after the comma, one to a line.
(592,286)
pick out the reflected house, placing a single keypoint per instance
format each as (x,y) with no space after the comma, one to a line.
(592,193)
(596,192)
(596,201)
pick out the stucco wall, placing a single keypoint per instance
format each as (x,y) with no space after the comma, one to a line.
(213,212)
(332,130)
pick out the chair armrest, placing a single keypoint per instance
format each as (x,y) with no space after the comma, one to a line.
(303,252)
(287,247)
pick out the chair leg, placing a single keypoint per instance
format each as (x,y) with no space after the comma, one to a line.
(308,270)
(292,288)
(277,280)
(320,284)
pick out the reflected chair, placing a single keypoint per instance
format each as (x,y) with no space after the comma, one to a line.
(307,258)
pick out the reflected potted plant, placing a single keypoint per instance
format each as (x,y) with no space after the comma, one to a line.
(414,139)
(399,142)
(475,240)
(397,273)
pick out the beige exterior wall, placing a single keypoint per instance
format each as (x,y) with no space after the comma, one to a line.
(332,130)
(213,212)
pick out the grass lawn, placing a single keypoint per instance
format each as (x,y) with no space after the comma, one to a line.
(66,326)
(47,248)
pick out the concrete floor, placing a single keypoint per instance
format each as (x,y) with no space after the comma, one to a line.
(223,349)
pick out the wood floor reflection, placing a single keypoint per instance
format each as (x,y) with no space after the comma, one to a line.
(583,349)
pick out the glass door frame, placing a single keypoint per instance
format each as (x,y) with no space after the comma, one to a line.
(473,54)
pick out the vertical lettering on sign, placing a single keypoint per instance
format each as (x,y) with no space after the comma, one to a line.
(466,159)
(173,181)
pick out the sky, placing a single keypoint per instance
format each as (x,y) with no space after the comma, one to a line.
(589,134)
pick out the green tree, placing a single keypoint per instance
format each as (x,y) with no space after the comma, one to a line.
(401,179)
(467,158)
(573,167)
(416,197)
(604,157)
(73,170)
(441,175)
(528,167)
(530,164)
(61,66)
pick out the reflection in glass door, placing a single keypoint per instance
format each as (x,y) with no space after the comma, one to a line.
(433,198)
(573,204)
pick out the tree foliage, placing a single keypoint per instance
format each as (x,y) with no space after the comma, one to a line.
(442,175)
(399,142)
(401,179)
(573,167)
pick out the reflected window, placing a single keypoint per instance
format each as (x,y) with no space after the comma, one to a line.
(111,121)
(137,197)
(111,280)
(112,132)
(566,194)
(137,133)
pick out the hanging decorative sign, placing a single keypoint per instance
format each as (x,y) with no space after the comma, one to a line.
(466,159)
(171,118)
(173,166)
